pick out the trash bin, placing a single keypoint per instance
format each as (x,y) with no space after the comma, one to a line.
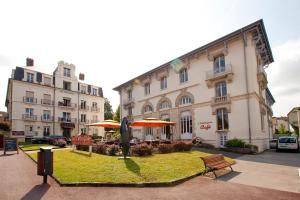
(45,162)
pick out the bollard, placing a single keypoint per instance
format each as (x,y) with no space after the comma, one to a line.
(45,163)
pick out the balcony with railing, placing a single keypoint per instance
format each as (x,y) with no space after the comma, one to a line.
(29,117)
(84,108)
(95,109)
(129,102)
(67,120)
(30,100)
(215,75)
(221,100)
(31,133)
(66,105)
(47,102)
(47,118)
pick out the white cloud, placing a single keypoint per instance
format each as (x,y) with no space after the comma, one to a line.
(283,75)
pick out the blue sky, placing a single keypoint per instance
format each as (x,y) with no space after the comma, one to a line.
(114,41)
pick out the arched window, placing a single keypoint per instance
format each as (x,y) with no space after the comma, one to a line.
(148,108)
(186,125)
(185,100)
(164,105)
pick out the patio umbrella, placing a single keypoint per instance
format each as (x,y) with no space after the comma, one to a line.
(106,124)
(152,122)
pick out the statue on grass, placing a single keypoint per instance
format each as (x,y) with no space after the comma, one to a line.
(125,137)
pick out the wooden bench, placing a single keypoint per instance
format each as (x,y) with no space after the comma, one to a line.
(215,162)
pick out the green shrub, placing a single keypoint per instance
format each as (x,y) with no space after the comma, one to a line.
(100,148)
(182,146)
(165,148)
(112,150)
(235,143)
(142,150)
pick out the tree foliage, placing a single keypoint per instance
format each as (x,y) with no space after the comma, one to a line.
(117,114)
(282,129)
(108,112)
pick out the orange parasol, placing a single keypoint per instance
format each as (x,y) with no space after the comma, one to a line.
(152,122)
(106,124)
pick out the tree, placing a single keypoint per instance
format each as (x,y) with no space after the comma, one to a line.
(117,114)
(282,129)
(108,112)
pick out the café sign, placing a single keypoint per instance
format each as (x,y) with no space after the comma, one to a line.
(205,125)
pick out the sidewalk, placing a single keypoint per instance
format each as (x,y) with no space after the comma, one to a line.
(18,180)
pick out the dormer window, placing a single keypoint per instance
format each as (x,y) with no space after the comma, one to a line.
(67,72)
(30,77)
(219,64)
(183,75)
(95,91)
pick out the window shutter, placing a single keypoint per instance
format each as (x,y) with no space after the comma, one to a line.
(89,89)
(39,77)
(100,92)
(19,73)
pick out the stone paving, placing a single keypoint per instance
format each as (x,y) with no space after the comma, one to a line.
(18,180)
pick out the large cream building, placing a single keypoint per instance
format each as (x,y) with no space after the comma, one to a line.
(216,92)
(41,104)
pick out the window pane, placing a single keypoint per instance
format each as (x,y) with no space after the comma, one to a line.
(219,119)
(225,117)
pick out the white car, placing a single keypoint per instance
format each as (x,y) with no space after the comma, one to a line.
(287,142)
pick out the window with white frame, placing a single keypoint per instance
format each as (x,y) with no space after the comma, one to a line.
(163,83)
(46,130)
(149,131)
(46,115)
(95,90)
(129,95)
(164,105)
(147,88)
(186,122)
(83,118)
(67,72)
(29,97)
(221,89)
(83,89)
(183,75)
(219,64)
(185,100)
(148,108)
(30,77)
(222,119)
(29,112)
(67,85)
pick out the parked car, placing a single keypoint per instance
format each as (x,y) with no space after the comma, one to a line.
(288,143)
(41,140)
(273,143)
(53,138)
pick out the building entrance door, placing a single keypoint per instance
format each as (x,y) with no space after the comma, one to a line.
(67,132)
(223,137)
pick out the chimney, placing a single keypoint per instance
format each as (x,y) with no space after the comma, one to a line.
(81,76)
(29,62)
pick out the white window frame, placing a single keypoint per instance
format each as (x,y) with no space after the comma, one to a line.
(147,88)
(95,90)
(164,105)
(67,72)
(185,100)
(30,77)
(223,112)
(148,108)
(221,89)
(163,83)
(219,64)
(183,75)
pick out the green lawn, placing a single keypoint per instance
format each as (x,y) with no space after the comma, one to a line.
(31,147)
(70,167)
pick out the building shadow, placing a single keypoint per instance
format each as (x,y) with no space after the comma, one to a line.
(132,166)
(228,176)
(286,158)
(37,192)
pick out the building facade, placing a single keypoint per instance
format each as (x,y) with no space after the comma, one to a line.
(41,104)
(216,92)
(277,121)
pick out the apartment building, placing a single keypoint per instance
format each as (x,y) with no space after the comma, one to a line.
(41,104)
(279,121)
(216,92)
